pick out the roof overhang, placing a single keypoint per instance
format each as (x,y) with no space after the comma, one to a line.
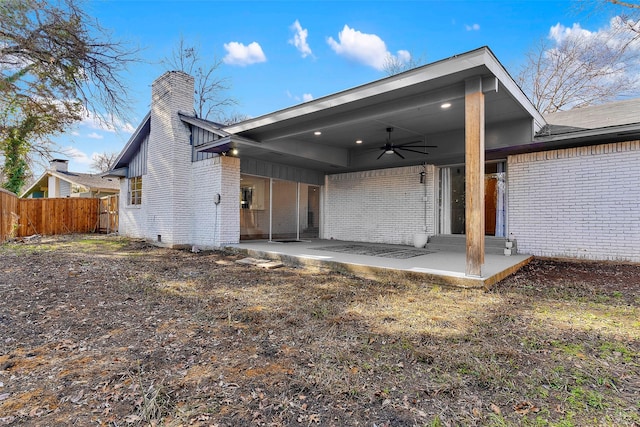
(38,183)
(116,173)
(409,102)
(132,146)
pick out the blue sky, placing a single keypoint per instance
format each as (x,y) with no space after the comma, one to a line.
(278,54)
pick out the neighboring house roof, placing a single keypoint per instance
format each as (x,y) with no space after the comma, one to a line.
(94,183)
(615,121)
(598,116)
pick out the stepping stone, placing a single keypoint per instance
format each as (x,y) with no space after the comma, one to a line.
(262,263)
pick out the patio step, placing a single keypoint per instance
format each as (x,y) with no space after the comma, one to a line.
(458,243)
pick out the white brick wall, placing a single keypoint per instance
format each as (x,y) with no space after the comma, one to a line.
(178,195)
(215,225)
(132,219)
(385,205)
(580,203)
(167,183)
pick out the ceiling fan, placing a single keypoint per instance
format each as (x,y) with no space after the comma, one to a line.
(391,148)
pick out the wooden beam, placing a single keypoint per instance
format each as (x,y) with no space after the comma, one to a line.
(474,176)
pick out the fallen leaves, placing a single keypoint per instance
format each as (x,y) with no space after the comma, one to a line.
(151,336)
(525,407)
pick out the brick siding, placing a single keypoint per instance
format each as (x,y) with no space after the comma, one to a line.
(580,202)
(385,205)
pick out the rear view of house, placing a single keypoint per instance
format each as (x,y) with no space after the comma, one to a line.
(452,148)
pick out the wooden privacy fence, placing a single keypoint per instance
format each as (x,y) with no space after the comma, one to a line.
(25,217)
(8,214)
(57,216)
(108,214)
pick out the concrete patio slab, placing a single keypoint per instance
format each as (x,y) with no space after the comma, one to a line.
(377,261)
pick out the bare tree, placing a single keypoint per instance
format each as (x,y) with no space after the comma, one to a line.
(57,65)
(580,68)
(394,65)
(628,4)
(211,101)
(104,161)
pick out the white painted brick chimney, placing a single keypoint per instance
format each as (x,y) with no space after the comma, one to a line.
(166,186)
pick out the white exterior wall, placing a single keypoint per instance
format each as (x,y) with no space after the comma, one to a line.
(214,225)
(132,219)
(64,188)
(167,183)
(52,186)
(385,205)
(178,195)
(579,203)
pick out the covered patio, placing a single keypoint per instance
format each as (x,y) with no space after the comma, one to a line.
(465,111)
(383,261)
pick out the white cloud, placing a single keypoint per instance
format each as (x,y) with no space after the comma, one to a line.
(91,121)
(616,35)
(77,155)
(559,32)
(95,135)
(299,39)
(239,54)
(128,128)
(368,49)
(404,56)
(306,97)
(474,27)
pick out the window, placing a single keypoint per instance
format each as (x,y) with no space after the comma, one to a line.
(135,190)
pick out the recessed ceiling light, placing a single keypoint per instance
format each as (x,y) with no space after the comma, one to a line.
(317,133)
(445,105)
(359,141)
(234,151)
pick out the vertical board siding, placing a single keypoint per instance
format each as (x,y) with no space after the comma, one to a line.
(273,170)
(199,137)
(138,164)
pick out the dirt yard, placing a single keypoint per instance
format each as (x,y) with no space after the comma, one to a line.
(111,332)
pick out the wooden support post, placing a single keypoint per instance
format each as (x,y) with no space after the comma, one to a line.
(474,178)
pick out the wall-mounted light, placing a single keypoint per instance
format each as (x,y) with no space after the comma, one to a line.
(422,175)
(359,141)
(317,133)
(234,151)
(445,105)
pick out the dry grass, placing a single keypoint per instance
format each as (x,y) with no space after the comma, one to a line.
(105,331)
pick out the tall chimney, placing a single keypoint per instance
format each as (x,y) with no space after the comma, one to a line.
(60,165)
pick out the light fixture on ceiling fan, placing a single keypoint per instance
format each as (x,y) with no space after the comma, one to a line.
(391,148)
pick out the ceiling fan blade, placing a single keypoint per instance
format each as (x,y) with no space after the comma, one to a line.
(409,144)
(412,150)
(381,154)
(401,156)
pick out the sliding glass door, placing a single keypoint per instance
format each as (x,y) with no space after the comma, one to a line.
(278,210)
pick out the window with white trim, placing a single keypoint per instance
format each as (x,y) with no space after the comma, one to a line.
(135,190)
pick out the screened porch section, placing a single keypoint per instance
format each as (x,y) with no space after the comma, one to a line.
(278,210)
